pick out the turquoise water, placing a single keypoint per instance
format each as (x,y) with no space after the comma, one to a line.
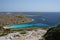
(28,25)
(49,19)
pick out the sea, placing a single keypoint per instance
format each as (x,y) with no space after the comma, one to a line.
(46,19)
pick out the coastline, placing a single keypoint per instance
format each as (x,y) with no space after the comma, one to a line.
(10,19)
(6,27)
(33,32)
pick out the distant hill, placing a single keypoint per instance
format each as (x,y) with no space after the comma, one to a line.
(9,19)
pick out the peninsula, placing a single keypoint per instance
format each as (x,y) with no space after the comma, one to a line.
(10,19)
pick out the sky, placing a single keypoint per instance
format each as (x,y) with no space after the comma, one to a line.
(29,5)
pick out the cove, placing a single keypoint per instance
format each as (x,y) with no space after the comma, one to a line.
(28,25)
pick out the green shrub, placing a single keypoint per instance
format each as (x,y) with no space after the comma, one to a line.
(53,33)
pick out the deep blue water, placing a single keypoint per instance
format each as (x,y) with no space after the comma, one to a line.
(47,19)
(50,18)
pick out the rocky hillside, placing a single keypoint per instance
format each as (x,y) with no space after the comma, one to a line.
(35,34)
(9,19)
(53,33)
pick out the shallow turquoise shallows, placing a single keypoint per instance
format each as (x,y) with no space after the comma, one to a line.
(28,25)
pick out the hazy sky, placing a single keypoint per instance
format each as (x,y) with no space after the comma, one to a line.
(29,5)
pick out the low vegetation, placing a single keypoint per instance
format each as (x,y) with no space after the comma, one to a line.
(21,30)
(10,19)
